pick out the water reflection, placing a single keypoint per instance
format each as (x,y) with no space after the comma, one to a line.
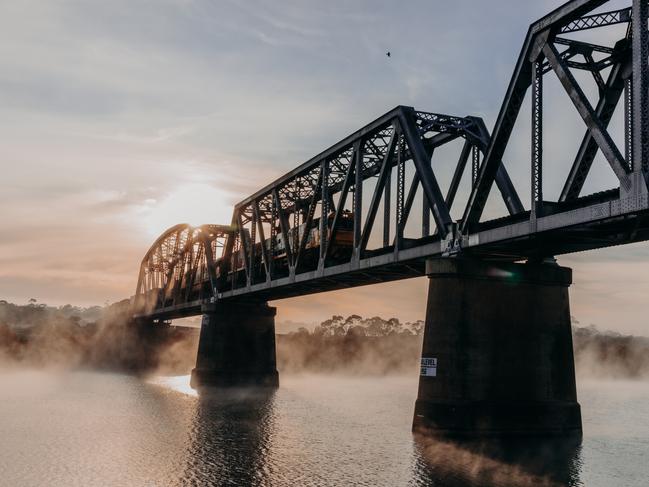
(107,429)
(230,438)
(491,463)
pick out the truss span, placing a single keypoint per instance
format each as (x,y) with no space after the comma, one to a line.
(179,266)
(373,207)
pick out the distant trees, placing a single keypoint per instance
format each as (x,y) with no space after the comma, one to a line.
(35,314)
(355,325)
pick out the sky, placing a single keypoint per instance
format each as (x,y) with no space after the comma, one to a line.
(123,118)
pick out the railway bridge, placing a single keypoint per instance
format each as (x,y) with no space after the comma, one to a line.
(497,356)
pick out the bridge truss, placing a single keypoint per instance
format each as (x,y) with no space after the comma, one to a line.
(348,216)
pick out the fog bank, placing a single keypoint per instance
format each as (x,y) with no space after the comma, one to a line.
(106,338)
(103,338)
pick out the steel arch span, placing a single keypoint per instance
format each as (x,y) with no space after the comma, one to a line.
(373,207)
(179,266)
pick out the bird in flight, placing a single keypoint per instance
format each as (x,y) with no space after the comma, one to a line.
(388,54)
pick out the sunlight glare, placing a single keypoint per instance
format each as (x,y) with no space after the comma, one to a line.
(179,383)
(193,203)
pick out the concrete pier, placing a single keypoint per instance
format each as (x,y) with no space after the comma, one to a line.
(497,357)
(236,347)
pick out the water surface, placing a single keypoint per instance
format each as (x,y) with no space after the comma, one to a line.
(89,429)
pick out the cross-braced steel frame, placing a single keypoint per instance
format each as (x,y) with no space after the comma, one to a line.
(364,186)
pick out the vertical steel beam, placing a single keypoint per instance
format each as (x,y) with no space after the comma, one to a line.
(358,196)
(243,251)
(386,208)
(640,16)
(324,205)
(262,237)
(228,252)
(401,177)
(628,122)
(251,250)
(475,164)
(537,136)
(273,236)
(386,167)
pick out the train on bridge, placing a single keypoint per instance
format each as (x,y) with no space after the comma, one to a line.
(229,271)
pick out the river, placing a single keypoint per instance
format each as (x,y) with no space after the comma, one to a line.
(87,429)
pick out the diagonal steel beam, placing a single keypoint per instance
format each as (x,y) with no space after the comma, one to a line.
(595,126)
(309,219)
(262,237)
(283,223)
(211,268)
(608,100)
(459,171)
(407,206)
(245,244)
(341,204)
(428,181)
(505,186)
(386,167)
(509,111)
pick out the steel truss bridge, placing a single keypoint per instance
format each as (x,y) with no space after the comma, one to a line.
(285,240)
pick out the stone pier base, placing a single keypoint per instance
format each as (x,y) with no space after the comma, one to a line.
(236,347)
(497,358)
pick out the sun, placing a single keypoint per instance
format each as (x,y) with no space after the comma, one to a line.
(193,203)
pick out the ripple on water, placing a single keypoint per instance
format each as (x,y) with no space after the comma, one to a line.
(108,429)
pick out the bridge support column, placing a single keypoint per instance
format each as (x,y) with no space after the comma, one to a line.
(236,347)
(497,356)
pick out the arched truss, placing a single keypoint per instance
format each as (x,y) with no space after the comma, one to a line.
(180,266)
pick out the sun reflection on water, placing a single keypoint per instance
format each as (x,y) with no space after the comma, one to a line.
(179,383)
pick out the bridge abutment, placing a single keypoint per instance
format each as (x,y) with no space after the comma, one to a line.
(236,346)
(497,357)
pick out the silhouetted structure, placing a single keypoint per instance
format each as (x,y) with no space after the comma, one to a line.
(498,354)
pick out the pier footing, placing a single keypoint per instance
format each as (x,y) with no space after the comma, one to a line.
(497,357)
(236,347)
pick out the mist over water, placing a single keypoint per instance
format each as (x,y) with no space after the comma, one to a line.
(87,428)
(342,415)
